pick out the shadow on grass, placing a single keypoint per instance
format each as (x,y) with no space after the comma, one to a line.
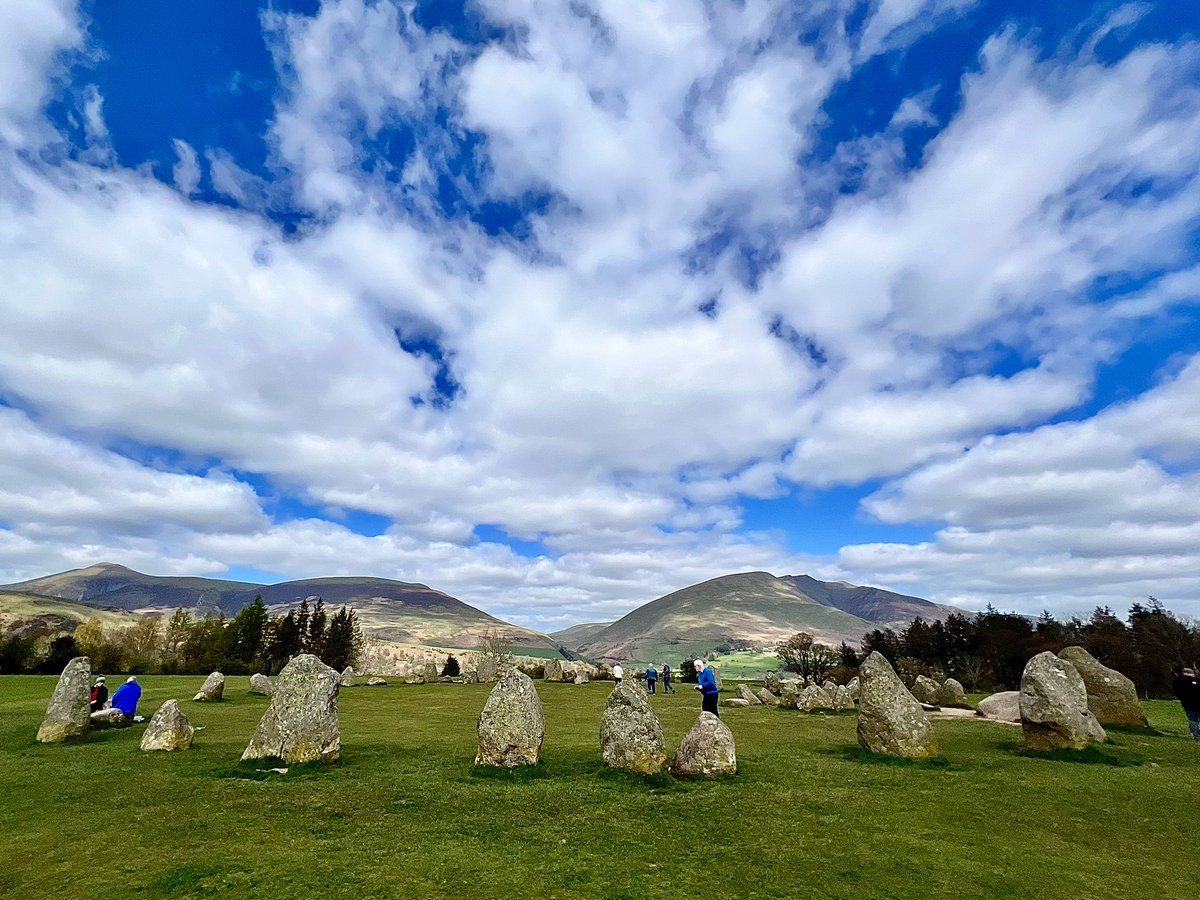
(866,757)
(1136,730)
(1093,755)
(511,775)
(658,783)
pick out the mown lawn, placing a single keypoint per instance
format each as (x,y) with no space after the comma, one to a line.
(405,814)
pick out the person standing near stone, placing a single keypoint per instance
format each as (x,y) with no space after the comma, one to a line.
(1187,689)
(707,686)
(651,678)
(618,674)
(99,694)
(666,676)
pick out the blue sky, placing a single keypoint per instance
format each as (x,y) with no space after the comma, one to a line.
(560,307)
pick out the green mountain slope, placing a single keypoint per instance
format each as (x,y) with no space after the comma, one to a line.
(572,637)
(29,612)
(390,610)
(876,605)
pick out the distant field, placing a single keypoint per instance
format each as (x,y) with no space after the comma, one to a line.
(745,664)
(27,607)
(406,814)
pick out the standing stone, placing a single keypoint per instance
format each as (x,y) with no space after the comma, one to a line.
(212,689)
(169,729)
(926,690)
(766,698)
(1004,706)
(707,749)
(1111,697)
(301,724)
(260,684)
(890,720)
(951,693)
(511,727)
(488,669)
(553,670)
(812,697)
(839,697)
(746,694)
(67,716)
(349,678)
(631,737)
(1054,710)
(581,677)
(852,688)
(772,682)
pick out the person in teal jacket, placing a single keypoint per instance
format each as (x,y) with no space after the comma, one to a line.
(707,687)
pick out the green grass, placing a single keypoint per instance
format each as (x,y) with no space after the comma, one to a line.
(406,812)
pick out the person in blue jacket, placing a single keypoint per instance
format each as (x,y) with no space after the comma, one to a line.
(707,687)
(651,678)
(127,696)
(666,673)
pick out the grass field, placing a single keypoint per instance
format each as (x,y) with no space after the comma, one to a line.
(405,813)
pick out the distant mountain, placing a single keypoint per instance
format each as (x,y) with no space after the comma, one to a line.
(572,637)
(751,608)
(389,610)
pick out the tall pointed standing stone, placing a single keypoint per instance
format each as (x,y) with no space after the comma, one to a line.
(890,720)
(511,727)
(67,716)
(212,689)
(631,736)
(301,724)
(169,729)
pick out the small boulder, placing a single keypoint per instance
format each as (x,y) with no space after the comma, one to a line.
(260,684)
(553,670)
(488,669)
(301,724)
(511,727)
(107,718)
(212,689)
(708,749)
(890,721)
(735,701)
(376,682)
(746,694)
(951,693)
(1111,697)
(581,677)
(1054,710)
(169,729)
(812,697)
(349,677)
(1004,706)
(772,682)
(766,698)
(631,736)
(926,690)
(67,715)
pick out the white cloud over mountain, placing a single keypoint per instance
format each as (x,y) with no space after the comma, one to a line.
(161,354)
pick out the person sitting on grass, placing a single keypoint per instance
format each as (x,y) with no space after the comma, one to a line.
(99,694)
(127,696)
(651,678)
(707,686)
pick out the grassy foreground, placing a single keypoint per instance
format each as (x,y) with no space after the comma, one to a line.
(406,814)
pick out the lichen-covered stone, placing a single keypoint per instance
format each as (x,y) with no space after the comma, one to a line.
(926,690)
(852,688)
(511,727)
(772,682)
(1111,697)
(488,669)
(813,697)
(708,749)
(1054,710)
(260,684)
(67,715)
(746,694)
(553,670)
(1004,706)
(890,720)
(301,724)
(212,689)
(349,677)
(839,697)
(631,737)
(951,693)
(169,729)
(766,697)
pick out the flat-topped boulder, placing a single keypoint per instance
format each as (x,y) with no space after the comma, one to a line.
(1111,697)
(631,737)
(736,701)
(890,720)
(68,714)
(1054,710)
(511,727)
(301,724)
(1004,706)
(707,750)
(212,689)
(260,684)
(376,682)
(169,729)
(951,693)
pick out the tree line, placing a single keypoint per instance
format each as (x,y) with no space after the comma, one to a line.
(988,651)
(252,641)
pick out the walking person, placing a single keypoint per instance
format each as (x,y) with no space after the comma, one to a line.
(666,676)
(707,686)
(1187,690)
(618,674)
(651,678)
